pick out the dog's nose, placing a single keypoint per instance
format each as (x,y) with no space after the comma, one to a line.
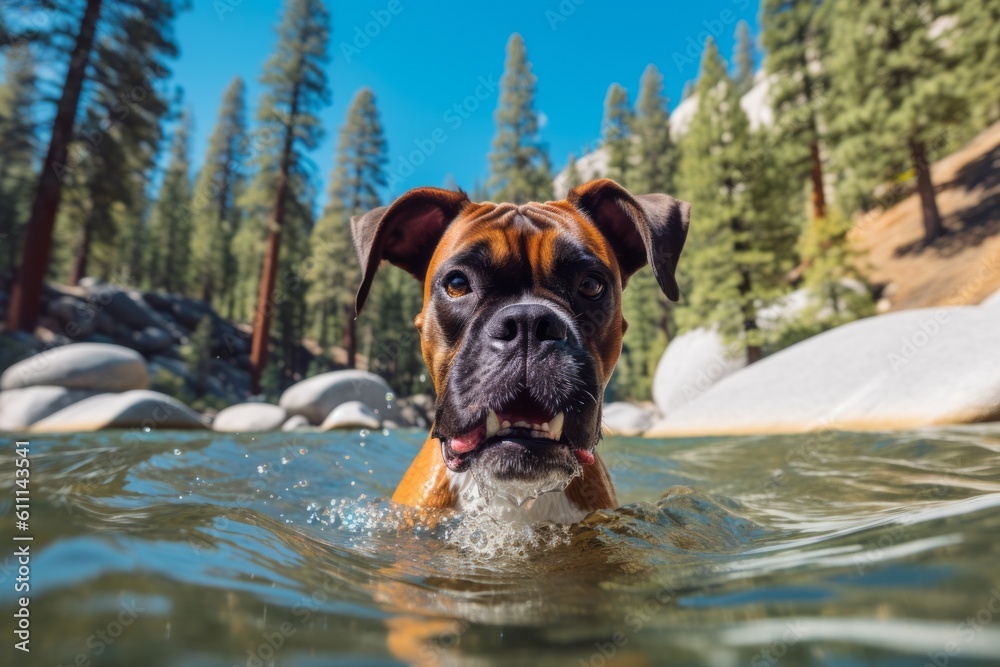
(527,323)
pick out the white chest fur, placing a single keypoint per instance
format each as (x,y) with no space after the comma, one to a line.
(553,507)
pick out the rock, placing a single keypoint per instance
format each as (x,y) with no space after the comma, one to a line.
(172,366)
(294,423)
(352,414)
(250,418)
(902,370)
(132,409)
(151,340)
(189,312)
(126,307)
(90,282)
(316,397)
(159,301)
(93,366)
(690,365)
(626,418)
(20,408)
(992,300)
(415,411)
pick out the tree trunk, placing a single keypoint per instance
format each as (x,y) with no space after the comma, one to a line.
(269,273)
(925,186)
(818,191)
(23,311)
(82,254)
(350,336)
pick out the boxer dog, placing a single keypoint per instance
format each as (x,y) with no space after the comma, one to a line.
(521,328)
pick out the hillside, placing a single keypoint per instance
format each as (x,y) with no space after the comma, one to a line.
(963,266)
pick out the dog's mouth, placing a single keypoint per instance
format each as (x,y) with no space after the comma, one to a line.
(522,425)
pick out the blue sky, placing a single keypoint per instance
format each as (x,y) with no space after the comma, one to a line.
(430,56)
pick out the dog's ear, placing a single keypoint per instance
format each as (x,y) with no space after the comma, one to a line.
(404,233)
(641,229)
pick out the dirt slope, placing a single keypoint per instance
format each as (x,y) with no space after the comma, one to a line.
(962,267)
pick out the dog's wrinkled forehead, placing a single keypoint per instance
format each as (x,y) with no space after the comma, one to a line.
(508,236)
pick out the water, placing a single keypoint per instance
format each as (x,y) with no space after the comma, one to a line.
(207,549)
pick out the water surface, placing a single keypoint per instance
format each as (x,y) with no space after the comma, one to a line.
(211,549)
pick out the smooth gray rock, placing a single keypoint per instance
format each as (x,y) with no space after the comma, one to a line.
(628,419)
(20,408)
(131,409)
(902,370)
(316,397)
(126,307)
(294,423)
(250,418)
(352,414)
(95,366)
(151,340)
(691,364)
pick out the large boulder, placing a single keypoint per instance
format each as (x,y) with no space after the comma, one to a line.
(902,370)
(316,397)
(626,418)
(690,365)
(94,366)
(151,340)
(126,307)
(352,414)
(20,408)
(132,409)
(295,423)
(250,418)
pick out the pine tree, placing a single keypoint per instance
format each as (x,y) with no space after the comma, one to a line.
(18,140)
(645,307)
(296,86)
(111,154)
(897,90)
(170,222)
(980,51)
(354,190)
(141,32)
(519,165)
(656,155)
(216,215)
(795,36)
(736,258)
(616,131)
(744,58)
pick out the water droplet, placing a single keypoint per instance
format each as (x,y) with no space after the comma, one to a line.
(389,396)
(147,429)
(363,433)
(177,452)
(302,450)
(423,378)
(352,483)
(285,460)
(262,469)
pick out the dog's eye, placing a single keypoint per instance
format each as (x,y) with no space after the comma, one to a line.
(456,284)
(591,287)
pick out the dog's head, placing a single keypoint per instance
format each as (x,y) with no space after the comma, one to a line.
(522,321)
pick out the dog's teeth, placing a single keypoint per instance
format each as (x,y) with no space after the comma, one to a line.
(556,425)
(545,427)
(521,424)
(505,424)
(492,424)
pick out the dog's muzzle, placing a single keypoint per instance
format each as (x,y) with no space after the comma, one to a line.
(520,401)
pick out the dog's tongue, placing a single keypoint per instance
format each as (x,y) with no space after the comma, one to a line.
(465,443)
